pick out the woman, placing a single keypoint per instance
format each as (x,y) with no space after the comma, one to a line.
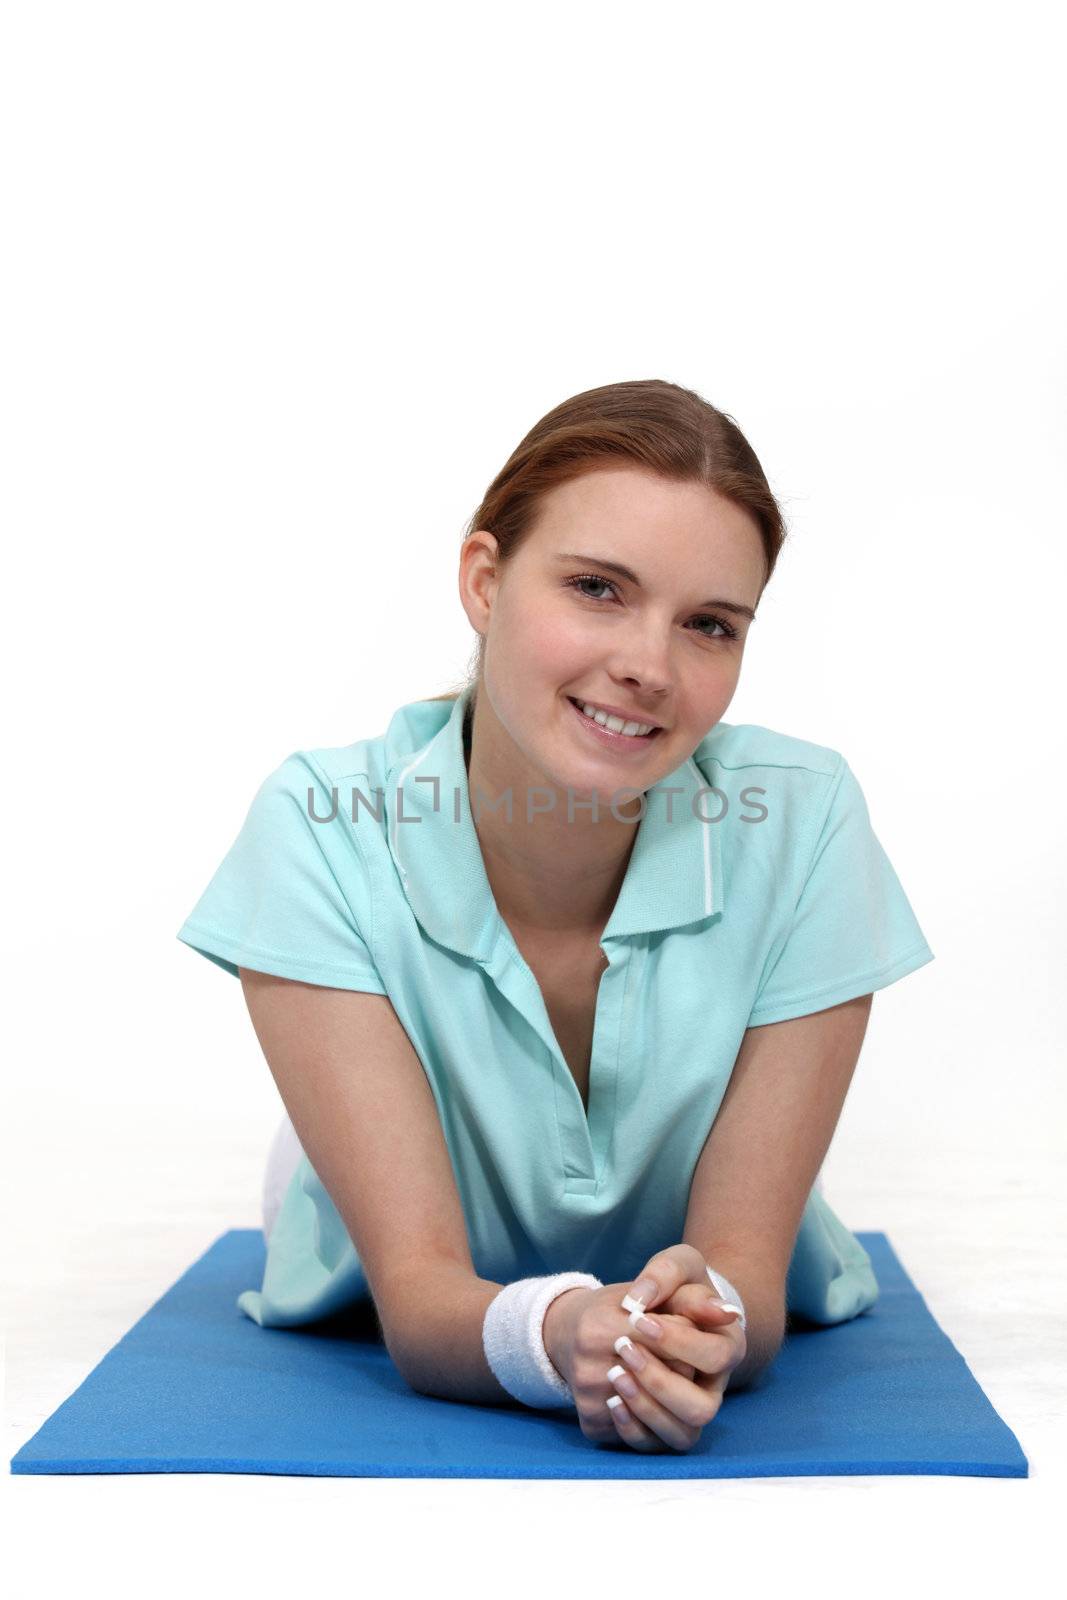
(553,998)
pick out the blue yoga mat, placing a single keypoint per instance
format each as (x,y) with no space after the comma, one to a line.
(196,1386)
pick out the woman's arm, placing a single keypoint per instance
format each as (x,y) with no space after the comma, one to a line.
(364,1112)
(762,1157)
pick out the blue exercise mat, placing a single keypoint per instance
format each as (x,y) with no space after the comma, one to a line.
(196,1386)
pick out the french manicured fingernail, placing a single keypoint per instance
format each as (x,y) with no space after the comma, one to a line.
(645,1325)
(622,1380)
(618,1405)
(644,1290)
(630,1352)
(728,1305)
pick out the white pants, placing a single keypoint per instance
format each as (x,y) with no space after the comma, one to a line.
(282,1161)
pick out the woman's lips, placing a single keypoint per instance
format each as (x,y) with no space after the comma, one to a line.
(614,741)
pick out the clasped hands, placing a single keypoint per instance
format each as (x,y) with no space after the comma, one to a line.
(679,1378)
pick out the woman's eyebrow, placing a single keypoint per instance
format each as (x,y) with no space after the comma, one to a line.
(631,577)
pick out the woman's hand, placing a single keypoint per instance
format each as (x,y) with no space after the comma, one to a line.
(680,1376)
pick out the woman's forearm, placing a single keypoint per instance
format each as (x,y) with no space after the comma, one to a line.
(437,1344)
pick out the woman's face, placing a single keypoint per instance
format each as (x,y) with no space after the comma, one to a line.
(562,624)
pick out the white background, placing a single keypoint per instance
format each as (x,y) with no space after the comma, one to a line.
(283,287)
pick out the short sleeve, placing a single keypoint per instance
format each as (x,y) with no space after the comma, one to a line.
(291,897)
(853,929)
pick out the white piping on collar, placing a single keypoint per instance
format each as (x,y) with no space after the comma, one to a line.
(395,835)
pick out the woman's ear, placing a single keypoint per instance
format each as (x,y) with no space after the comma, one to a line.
(478,577)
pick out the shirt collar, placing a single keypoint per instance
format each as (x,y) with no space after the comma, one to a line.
(674,875)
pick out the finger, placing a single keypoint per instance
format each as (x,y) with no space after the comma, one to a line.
(662,1274)
(686,1368)
(714,1356)
(630,1430)
(701,1302)
(708,1347)
(654,1331)
(695,1310)
(673,1393)
(714,1388)
(719,1310)
(659,1419)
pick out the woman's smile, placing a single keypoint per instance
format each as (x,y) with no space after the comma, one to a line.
(607,737)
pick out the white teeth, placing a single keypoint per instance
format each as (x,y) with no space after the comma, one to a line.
(615,724)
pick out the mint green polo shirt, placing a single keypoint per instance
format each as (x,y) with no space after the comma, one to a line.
(756,891)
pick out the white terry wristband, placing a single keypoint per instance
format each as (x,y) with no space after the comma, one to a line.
(513,1338)
(725,1289)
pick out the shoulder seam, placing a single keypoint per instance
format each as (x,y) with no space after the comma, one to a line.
(316,767)
(316,756)
(835,783)
(820,813)
(788,766)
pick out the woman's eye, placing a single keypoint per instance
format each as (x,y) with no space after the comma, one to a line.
(727,631)
(603,582)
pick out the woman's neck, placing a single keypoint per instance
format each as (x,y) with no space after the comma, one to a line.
(548,873)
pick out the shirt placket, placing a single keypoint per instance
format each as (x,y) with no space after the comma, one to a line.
(584,1138)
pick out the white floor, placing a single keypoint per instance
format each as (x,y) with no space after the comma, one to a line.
(122,1215)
